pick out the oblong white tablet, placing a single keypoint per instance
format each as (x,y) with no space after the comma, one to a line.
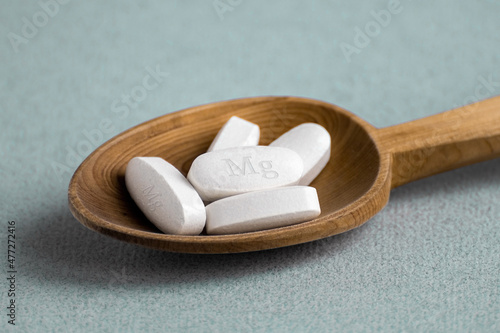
(262,210)
(222,173)
(313,143)
(165,196)
(236,132)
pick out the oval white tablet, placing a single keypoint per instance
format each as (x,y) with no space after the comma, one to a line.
(165,196)
(222,173)
(262,210)
(313,143)
(236,132)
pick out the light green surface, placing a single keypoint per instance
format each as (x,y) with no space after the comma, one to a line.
(430,261)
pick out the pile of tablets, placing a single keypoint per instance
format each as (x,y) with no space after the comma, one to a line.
(245,187)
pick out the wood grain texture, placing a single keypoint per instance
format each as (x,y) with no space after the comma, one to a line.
(353,187)
(365,164)
(443,142)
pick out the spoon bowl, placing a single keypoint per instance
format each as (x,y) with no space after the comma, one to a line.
(365,164)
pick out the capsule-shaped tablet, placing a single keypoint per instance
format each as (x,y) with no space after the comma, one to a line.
(165,196)
(222,173)
(236,132)
(313,143)
(262,210)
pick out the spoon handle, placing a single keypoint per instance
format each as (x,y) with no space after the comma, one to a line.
(443,142)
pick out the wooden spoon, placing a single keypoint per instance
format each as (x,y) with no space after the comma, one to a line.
(366,163)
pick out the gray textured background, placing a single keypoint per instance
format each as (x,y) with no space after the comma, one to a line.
(428,262)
